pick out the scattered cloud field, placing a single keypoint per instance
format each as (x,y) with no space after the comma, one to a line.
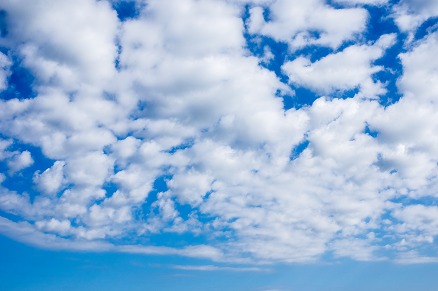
(238,131)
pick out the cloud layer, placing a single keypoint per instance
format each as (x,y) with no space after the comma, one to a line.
(167,124)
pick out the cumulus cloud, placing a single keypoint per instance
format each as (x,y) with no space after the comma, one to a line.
(51,180)
(165,123)
(311,22)
(346,70)
(410,14)
(20,161)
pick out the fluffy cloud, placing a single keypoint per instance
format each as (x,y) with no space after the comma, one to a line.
(346,70)
(410,14)
(51,180)
(20,161)
(74,55)
(311,22)
(165,123)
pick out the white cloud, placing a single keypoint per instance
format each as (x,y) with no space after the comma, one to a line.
(408,145)
(419,220)
(302,23)
(410,14)
(54,225)
(74,55)
(91,169)
(189,102)
(20,161)
(345,70)
(52,179)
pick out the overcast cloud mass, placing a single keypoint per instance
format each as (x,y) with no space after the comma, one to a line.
(238,131)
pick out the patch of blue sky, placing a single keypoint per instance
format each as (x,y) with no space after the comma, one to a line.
(426,200)
(159,185)
(370,131)
(3,24)
(313,52)
(110,188)
(185,145)
(21,81)
(21,181)
(392,71)
(126,9)
(48,270)
(379,23)
(169,238)
(298,149)
(426,28)
(302,96)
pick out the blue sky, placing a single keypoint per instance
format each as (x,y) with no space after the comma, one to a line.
(218,145)
(27,268)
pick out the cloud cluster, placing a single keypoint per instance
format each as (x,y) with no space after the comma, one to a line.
(305,23)
(166,124)
(345,70)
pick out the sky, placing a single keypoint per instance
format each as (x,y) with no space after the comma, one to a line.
(218,145)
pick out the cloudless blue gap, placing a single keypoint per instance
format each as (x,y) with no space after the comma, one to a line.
(393,70)
(426,28)
(335,4)
(160,185)
(344,94)
(177,240)
(298,149)
(267,14)
(110,188)
(184,210)
(20,82)
(126,9)
(406,200)
(288,101)
(379,23)
(313,52)
(3,24)
(303,97)
(185,145)
(371,132)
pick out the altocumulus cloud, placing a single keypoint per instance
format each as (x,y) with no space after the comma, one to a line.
(169,130)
